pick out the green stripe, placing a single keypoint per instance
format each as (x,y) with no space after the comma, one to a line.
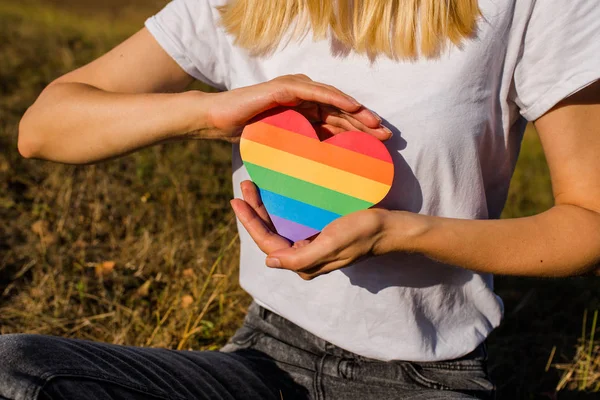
(305,192)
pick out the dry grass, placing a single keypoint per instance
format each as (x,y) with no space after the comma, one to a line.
(140,250)
(143,250)
(583,373)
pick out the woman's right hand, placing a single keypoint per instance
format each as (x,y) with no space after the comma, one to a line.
(327,108)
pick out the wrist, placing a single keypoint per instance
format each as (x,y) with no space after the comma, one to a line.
(405,231)
(195,121)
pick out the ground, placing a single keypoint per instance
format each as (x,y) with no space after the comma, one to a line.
(143,250)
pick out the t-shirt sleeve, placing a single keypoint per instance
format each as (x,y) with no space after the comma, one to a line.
(560,54)
(188,31)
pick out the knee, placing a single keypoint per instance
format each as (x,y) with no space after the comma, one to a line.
(20,362)
(16,351)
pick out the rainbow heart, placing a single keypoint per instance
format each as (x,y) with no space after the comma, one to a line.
(306,183)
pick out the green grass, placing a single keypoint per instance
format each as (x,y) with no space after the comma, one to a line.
(143,250)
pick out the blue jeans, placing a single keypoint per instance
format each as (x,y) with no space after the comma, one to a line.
(267,358)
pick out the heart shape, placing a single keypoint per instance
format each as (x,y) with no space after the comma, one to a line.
(306,183)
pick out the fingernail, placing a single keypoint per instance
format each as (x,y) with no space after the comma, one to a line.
(388,130)
(376,116)
(273,262)
(354,101)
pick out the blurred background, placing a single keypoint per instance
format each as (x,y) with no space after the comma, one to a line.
(143,250)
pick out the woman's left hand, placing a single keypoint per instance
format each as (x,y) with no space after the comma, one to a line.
(341,243)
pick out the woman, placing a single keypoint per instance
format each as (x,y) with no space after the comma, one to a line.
(389,303)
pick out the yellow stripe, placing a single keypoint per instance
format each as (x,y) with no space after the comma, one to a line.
(313,172)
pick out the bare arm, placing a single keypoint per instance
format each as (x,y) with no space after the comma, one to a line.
(132,97)
(564,240)
(109,107)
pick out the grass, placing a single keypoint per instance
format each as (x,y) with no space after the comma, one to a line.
(584,372)
(143,250)
(112,252)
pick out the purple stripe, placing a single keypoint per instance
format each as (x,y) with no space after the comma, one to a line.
(292,230)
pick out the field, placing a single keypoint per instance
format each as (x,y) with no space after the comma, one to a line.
(143,250)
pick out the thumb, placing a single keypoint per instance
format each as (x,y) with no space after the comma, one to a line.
(300,258)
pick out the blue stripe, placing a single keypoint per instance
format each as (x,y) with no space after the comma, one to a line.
(296,211)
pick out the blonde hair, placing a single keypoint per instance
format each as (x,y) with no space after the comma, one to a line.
(399,29)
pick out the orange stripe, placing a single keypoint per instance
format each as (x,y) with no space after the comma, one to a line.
(313,172)
(313,149)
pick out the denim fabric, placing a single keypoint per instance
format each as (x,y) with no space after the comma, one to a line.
(267,358)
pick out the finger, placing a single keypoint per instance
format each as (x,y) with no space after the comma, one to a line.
(351,124)
(252,197)
(333,118)
(301,243)
(292,92)
(368,117)
(312,273)
(302,77)
(267,240)
(317,113)
(363,114)
(301,259)
(381,133)
(338,121)
(306,277)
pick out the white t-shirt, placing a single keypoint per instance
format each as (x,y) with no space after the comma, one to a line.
(458,124)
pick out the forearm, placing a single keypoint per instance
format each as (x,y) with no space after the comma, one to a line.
(77,123)
(562,241)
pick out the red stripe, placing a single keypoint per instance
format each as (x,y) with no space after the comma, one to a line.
(293,121)
(290,120)
(355,141)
